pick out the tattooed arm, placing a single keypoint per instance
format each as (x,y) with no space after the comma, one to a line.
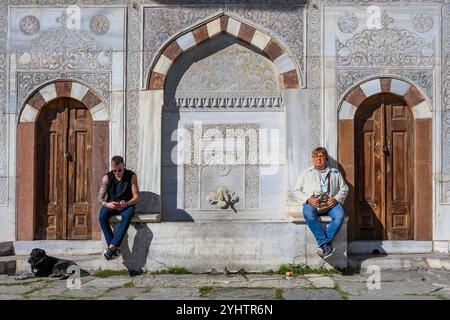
(102,192)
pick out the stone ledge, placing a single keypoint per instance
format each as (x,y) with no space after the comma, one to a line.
(400,261)
(139,218)
(301,220)
(389,247)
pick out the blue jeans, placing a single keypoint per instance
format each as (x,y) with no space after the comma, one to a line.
(324,235)
(105,214)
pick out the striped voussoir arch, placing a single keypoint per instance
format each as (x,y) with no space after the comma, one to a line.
(231,26)
(64,89)
(412,96)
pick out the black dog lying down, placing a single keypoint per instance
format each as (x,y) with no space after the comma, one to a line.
(43,265)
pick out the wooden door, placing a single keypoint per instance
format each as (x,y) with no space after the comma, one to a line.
(64,162)
(384,169)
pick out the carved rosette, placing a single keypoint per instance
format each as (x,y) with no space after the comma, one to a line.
(99,24)
(347,22)
(29,25)
(422,22)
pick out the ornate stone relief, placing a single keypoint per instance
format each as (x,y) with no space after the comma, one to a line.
(230,104)
(422,22)
(445,92)
(349,78)
(64,49)
(3,107)
(99,24)
(347,22)
(133,86)
(30,25)
(243,163)
(28,81)
(234,78)
(234,68)
(223,198)
(388,46)
(161,23)
(446,192)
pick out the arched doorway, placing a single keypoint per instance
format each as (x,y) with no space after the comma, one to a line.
(62,153)
(384,150)
(64,171)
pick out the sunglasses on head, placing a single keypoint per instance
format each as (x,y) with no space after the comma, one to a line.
(117,171)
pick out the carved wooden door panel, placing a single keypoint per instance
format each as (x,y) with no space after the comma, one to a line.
(63,161)
(384,165)
(79,172)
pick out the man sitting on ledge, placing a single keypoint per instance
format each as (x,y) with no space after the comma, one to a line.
(322,190)
(121,188)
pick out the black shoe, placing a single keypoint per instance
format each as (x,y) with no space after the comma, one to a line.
(107,253)
(112,253)
(327,250)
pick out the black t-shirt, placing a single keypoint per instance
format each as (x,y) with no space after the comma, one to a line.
(120,190)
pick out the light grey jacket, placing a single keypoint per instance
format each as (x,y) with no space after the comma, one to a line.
(308,184)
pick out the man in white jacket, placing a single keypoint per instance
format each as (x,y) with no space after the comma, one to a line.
(321,186)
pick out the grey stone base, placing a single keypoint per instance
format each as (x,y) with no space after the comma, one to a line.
(201,247)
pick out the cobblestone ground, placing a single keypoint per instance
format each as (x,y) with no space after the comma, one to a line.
(424,284)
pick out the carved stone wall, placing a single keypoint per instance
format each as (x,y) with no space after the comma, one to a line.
(58,50)
(284,22)
(445,78)
(3,106)
(237,169)
(402,43)
(414,53)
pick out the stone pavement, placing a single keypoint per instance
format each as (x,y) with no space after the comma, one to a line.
(420,284)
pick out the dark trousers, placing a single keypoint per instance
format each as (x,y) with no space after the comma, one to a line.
(105,214)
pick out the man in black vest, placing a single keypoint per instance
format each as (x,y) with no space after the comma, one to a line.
(118,194)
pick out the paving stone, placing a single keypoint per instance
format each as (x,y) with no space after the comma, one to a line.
(411,285)
(19,289)
(311,294)
(84,292)
(106,283)
(321,281)
(169,294)
(57,288)
(122,293)
(10,297)
(387,288)
(241,294)
(399,297)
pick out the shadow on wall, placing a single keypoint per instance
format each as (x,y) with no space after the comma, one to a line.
(134,258)
(170,182)
(363,223)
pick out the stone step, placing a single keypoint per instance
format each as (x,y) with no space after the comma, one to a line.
(400,261)
(6,249)
(19,263)
(389,247)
